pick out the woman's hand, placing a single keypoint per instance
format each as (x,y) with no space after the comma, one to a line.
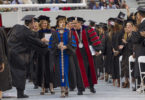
(60,45)
(2,67)
(44,40)
(121,47)
(124,41)
(64,47)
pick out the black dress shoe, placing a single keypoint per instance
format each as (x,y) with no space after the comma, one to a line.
(46,90)
(80,93)
(20,94)
(92,90)
(52,92)
(42,93)
(71,89)
(35,87)
(23,96)
(133,89)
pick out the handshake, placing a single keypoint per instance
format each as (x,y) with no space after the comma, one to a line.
(61,46)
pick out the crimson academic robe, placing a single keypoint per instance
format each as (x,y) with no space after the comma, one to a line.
(84,56)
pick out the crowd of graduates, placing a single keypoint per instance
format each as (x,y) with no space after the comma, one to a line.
(71,54)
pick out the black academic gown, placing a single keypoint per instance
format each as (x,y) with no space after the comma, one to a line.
(5,76)
(44,75)
(115,65)
(108,53)
(126,52)
(21,41)
(75,78)
(99,59)
(139,50)
(34,63)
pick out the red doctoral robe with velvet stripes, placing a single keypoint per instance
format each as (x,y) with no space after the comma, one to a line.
(89,37)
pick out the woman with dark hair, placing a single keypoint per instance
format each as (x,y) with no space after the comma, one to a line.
(116,42)
(108,53)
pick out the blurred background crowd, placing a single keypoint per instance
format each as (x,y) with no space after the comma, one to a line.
(91,4)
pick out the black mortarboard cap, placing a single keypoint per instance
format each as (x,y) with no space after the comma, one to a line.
(131,21)
(60,17)
(111,21)
(36,19)
(70,19)
(80,19)
(97,25)
(103,25)
(119,21)
(92,22)
(43,17)
(141,9)
(121,15)
(28,17)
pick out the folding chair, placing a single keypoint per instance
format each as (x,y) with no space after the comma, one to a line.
(131,59)
(120,60)
(141,59)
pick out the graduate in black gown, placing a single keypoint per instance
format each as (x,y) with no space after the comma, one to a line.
(21,41)
(138,39)
(116,38)
(34,57)
(108,53)
(92,24)
(126,51)
(45,80)
(100,59)
(5,75)
(72,67)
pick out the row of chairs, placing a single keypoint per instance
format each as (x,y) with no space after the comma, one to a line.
(141,59)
